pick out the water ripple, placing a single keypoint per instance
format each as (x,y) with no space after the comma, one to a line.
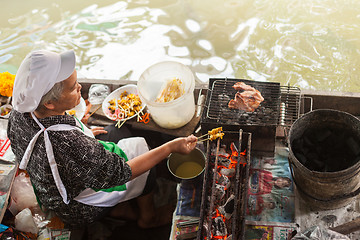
(305,43)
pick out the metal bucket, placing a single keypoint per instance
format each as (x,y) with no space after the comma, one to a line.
(320,189)
(187,169)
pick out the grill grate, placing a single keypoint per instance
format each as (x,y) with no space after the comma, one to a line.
(280,105)
(289,105)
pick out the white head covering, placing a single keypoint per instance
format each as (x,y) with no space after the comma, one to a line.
(37,74)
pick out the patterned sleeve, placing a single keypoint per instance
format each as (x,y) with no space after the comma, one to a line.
(86,164)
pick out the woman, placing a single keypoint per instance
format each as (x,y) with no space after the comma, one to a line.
(78,177)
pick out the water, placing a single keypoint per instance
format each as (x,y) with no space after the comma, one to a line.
(312,44)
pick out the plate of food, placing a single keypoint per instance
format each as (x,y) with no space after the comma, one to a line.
(79,110)
(123,104)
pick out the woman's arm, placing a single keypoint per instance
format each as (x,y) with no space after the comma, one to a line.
(146,161)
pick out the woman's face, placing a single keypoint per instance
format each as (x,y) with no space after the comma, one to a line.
(71,94)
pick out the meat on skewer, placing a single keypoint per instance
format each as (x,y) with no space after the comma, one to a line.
(248,100)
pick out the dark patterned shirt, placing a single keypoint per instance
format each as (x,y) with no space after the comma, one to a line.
(81,160)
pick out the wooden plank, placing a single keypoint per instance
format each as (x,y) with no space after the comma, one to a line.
(99,118)
(343,101)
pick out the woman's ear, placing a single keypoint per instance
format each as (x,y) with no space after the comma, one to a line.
(49,105)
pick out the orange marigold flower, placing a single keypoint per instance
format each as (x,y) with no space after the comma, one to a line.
(6,84)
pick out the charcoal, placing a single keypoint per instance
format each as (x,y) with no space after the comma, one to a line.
(205,228)
(234,158)
(234,148)
(312,156)
(219,192)
(322,134)
(297,145)
(319,150)
(306,150)
(301,158)
(314,161)
(353,146)
(225,162)
(336,161)
(229,172)
(319,165)
(308,142)
(219,227)
(228,208)
(223,180)
(334,141)
(222,151)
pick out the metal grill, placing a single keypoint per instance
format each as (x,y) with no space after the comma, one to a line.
(280,105)
(239,183)
(289,105)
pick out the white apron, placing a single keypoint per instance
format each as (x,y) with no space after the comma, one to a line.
(131,146)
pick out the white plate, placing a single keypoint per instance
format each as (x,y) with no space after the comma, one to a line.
(130,88)
(80,109)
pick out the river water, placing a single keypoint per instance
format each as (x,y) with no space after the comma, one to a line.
(311,44)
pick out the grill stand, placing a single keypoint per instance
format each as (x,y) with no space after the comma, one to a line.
(239,182)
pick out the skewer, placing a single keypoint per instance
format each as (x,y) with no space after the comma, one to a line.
(138,115)
(118,124)
(212,132)
(203,140)
(95,110)
(213,137)
(203,135)
(120,107)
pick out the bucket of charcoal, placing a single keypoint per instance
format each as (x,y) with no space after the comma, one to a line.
(188,169)
(324,154)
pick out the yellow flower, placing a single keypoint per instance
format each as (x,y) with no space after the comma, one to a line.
(6,84)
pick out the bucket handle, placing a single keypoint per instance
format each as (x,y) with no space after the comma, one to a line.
(311,100)
(334,198)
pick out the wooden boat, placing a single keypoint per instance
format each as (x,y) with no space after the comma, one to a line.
(310,100)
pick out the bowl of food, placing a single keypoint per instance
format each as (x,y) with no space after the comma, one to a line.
(79,110)
(123,104)
(5,110)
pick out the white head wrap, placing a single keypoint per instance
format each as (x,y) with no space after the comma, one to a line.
(37,74)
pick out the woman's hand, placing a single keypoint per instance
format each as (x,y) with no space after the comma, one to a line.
(98,130)
(146,161)
(183,145)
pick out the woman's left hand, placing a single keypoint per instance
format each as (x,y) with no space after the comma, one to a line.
(98,130)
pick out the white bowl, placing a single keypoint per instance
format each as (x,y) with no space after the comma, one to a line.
(80,109)
(3,109)
(130,88)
